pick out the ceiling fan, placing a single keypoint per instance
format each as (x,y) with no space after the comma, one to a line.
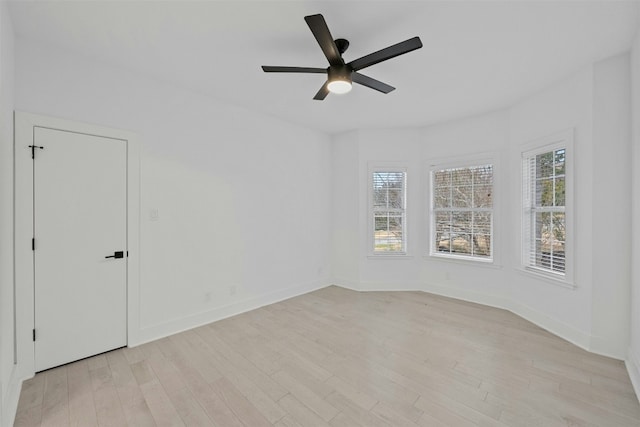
(341,74)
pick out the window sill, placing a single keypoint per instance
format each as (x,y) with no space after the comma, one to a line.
(483,263)
(540,275)
(390,256)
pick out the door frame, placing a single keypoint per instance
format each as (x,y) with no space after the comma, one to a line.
(24,124)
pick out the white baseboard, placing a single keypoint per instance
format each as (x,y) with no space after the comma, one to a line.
(585,341)
(469,296)
(633,368)
(552,325)
(162,330)
(347,284)
(546,322)
(386,287)
(433,288)
(10,400)
(604,347)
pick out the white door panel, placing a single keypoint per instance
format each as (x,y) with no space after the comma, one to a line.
(80,213)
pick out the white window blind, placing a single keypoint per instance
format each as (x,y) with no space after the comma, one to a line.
(389,211)
(462,212)
(544,218)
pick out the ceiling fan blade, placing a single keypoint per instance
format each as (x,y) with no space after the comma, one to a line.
(372,83)
(386,53)
(323,92)
(321,32)
(275,69)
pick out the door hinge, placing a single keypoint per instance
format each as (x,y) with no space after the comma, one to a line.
(34,335)
(33,244)
(33,150)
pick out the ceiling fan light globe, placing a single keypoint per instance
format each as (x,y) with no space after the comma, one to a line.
(339,86)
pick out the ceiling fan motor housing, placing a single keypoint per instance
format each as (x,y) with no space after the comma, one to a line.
(339,73)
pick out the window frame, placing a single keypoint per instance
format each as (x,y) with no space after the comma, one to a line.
(472,161)
(386,167)
(560,140)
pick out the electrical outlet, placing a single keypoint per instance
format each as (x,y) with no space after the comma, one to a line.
(154,215)
(232,290)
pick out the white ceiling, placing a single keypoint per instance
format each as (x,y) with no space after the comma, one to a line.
(477,56)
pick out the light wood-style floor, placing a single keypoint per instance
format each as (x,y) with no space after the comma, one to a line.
(342,358)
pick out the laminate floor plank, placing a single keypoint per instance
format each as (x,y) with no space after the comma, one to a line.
(96,362)
(142,372)
(193,352)
(356,412)
(166,373)
(287,421)
(189,409)
(249,389)
(134,406)
(383,411)
(515,419)
(342,420)
(480,413)
(258,398)
(266,383)
(340,358)
(29,417)
(82,410)
(304,374)
(248,414)
(253,348)
(353,393)
(204,395)
(124,380)
(109,409)
(139,414)
(306,396)
(301,413)
(133,354)
(32,393)
(55,402)
(160,405)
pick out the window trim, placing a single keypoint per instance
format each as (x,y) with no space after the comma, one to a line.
(468,161)
(563,139)
(386,167)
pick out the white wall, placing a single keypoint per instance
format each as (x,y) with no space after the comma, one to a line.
(633,358)
(243,199)
(594,102)
(345,218)
(566,105)
(9,388)
(611,173)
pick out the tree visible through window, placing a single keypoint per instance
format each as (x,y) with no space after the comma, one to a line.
(462,211)
(389,211)
(544,204)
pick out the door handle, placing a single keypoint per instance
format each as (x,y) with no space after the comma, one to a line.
(118,254)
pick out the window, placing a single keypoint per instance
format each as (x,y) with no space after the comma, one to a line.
(388,211)
(462,212)
(547,207)
(544,192)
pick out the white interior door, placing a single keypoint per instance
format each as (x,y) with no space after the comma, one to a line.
(80,217)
